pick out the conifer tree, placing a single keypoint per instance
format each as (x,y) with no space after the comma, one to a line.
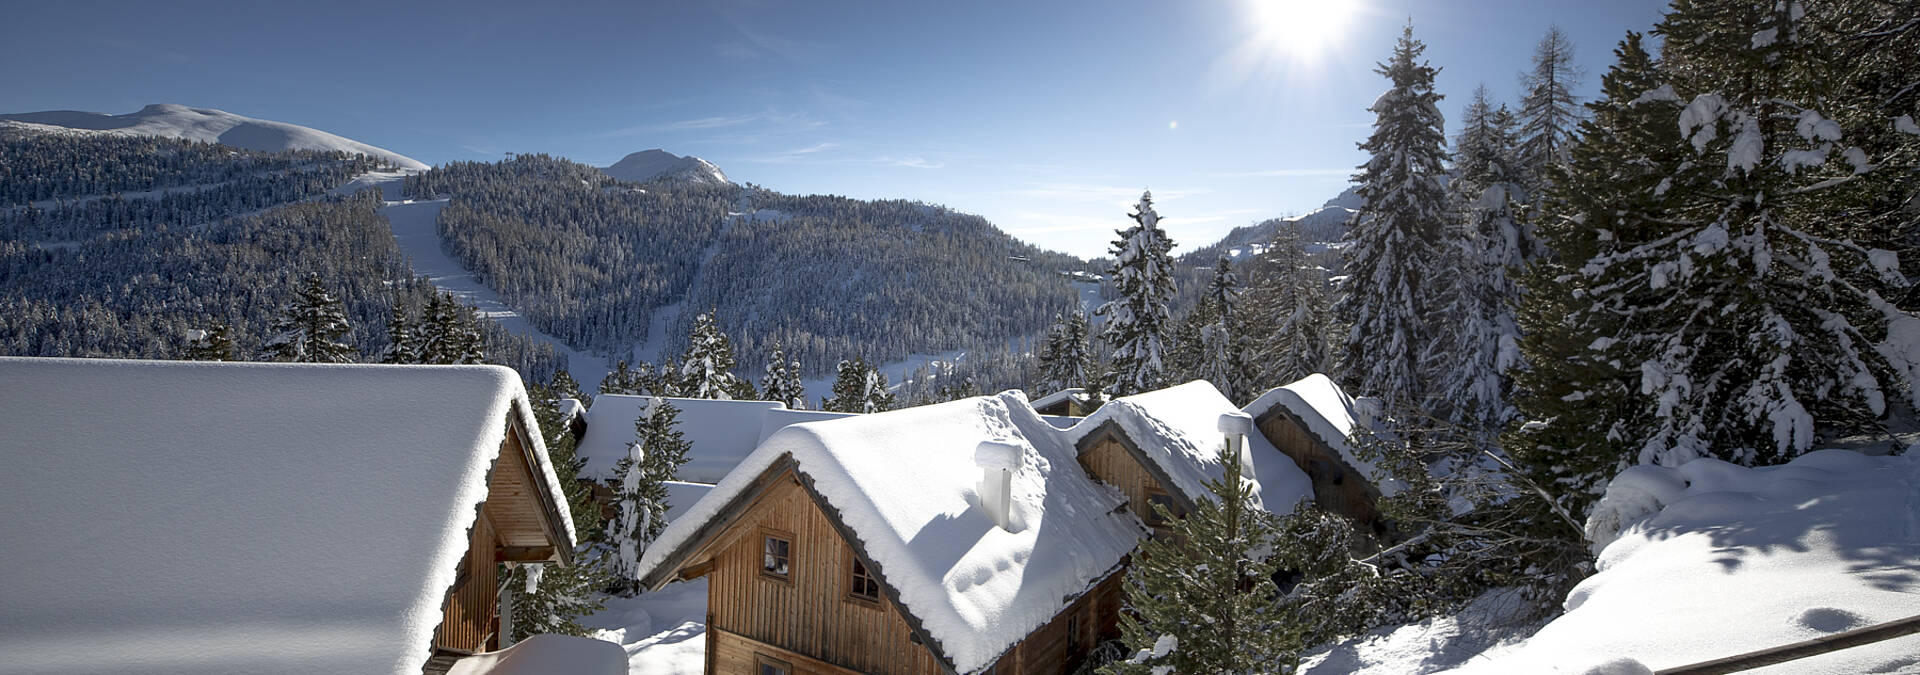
(552,598)
(1549,112)
(1137,321)
(1203,599)
(1476,337)
(402,343)
(1066,359)
(782,380)
(1223,348)
(707,369)
(623,379)
(312,329)
(653,458)
(564,386)
(1394,242)
(859,388)
(215,343)
(1295,331)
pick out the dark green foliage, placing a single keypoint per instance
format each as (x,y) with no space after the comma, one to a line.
(1208,583)
(213,344)
(311,328)
(1066,358)
(859,388)
(1290,314)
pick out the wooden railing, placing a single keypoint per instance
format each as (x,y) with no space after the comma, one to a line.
(1801,650)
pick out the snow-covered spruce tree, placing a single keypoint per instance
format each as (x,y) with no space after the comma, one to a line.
(1067,360)
(214,343)
(782,380)
(1476,338)
(1137,321)
(707,369)
(1549,113)
(564,386)
(1878,103)
(624,379)
(1222,346)
(1394,242)
(1579,403)
(1292,322)
(402,343)
(312,329)
(859,388)
(1754,320)
(1205,595)
(450,333)
(655,455)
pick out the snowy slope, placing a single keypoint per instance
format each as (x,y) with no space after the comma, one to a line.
(657,164)
(213,126)
(1323,228)
(1710,560)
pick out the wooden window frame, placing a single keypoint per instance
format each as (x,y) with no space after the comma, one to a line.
(1153,517)
(853,584)
(770,533)
(761,662)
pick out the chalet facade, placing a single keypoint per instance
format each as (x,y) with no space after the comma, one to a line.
(285,518)
(873,545)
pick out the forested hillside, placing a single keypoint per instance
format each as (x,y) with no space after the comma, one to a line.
(595,261)
(131,277)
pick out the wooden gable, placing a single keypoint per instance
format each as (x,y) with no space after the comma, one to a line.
(1109,455)
(1337,486)
(519,522)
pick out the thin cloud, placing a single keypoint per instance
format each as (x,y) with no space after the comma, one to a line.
(1284,173)
(793,156)
(913,162)
(779,121)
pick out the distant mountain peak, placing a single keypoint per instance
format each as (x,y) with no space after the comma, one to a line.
(208,125)
(659,165)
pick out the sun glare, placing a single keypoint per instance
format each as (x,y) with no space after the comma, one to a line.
(1301,28)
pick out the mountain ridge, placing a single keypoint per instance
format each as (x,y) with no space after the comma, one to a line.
(211,125)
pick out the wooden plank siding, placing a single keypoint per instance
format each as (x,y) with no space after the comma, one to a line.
(468,616)
(1106,458)
(1048,650)
(809,613)
(1337,486)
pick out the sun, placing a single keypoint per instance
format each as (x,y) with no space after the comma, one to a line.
(1301,28)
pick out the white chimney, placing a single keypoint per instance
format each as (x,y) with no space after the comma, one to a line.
(1236,425)
(997,459)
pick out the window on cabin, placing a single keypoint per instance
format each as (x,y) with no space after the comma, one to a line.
(864,586)
(1073,633)
(777,557)
(767,665)
(1156,500)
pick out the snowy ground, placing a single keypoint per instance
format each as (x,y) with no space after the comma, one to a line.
(1427,646)
(663,633)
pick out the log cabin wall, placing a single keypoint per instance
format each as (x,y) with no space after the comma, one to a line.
(1107,459)
(468,615)
(1337,486)
(808,621)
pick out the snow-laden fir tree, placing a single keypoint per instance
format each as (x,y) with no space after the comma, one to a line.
(859,388)
(564,386)
(311,329)
(214,343)
(1729,286)
(1222,347)
(1066,359)
(1136,326)
(1395,240)
(551,598)
(1475,336)
(655,455)
(402,343)
(450,332)
(1205,594)
(782,380)
(1549,112)
(707,369)
(625,379)
(1292,313)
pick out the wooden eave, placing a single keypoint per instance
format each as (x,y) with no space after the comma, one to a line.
(1373,491)
(551,522)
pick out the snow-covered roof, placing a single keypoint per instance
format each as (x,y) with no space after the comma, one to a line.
(176,517)
(979,589)
(719,433)
(1177,430)
(1710,560)
(781,418)
(1330,415)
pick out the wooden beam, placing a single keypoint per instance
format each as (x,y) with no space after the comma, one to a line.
(1801,650)
(526,554)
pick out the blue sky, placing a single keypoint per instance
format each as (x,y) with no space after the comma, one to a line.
(1046,117)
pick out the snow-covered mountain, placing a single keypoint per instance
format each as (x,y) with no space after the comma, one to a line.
(212,126)
(660,165)
(1323,227)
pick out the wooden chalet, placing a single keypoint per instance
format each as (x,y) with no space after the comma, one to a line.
(271,518)
(1313,422)
(855,546)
